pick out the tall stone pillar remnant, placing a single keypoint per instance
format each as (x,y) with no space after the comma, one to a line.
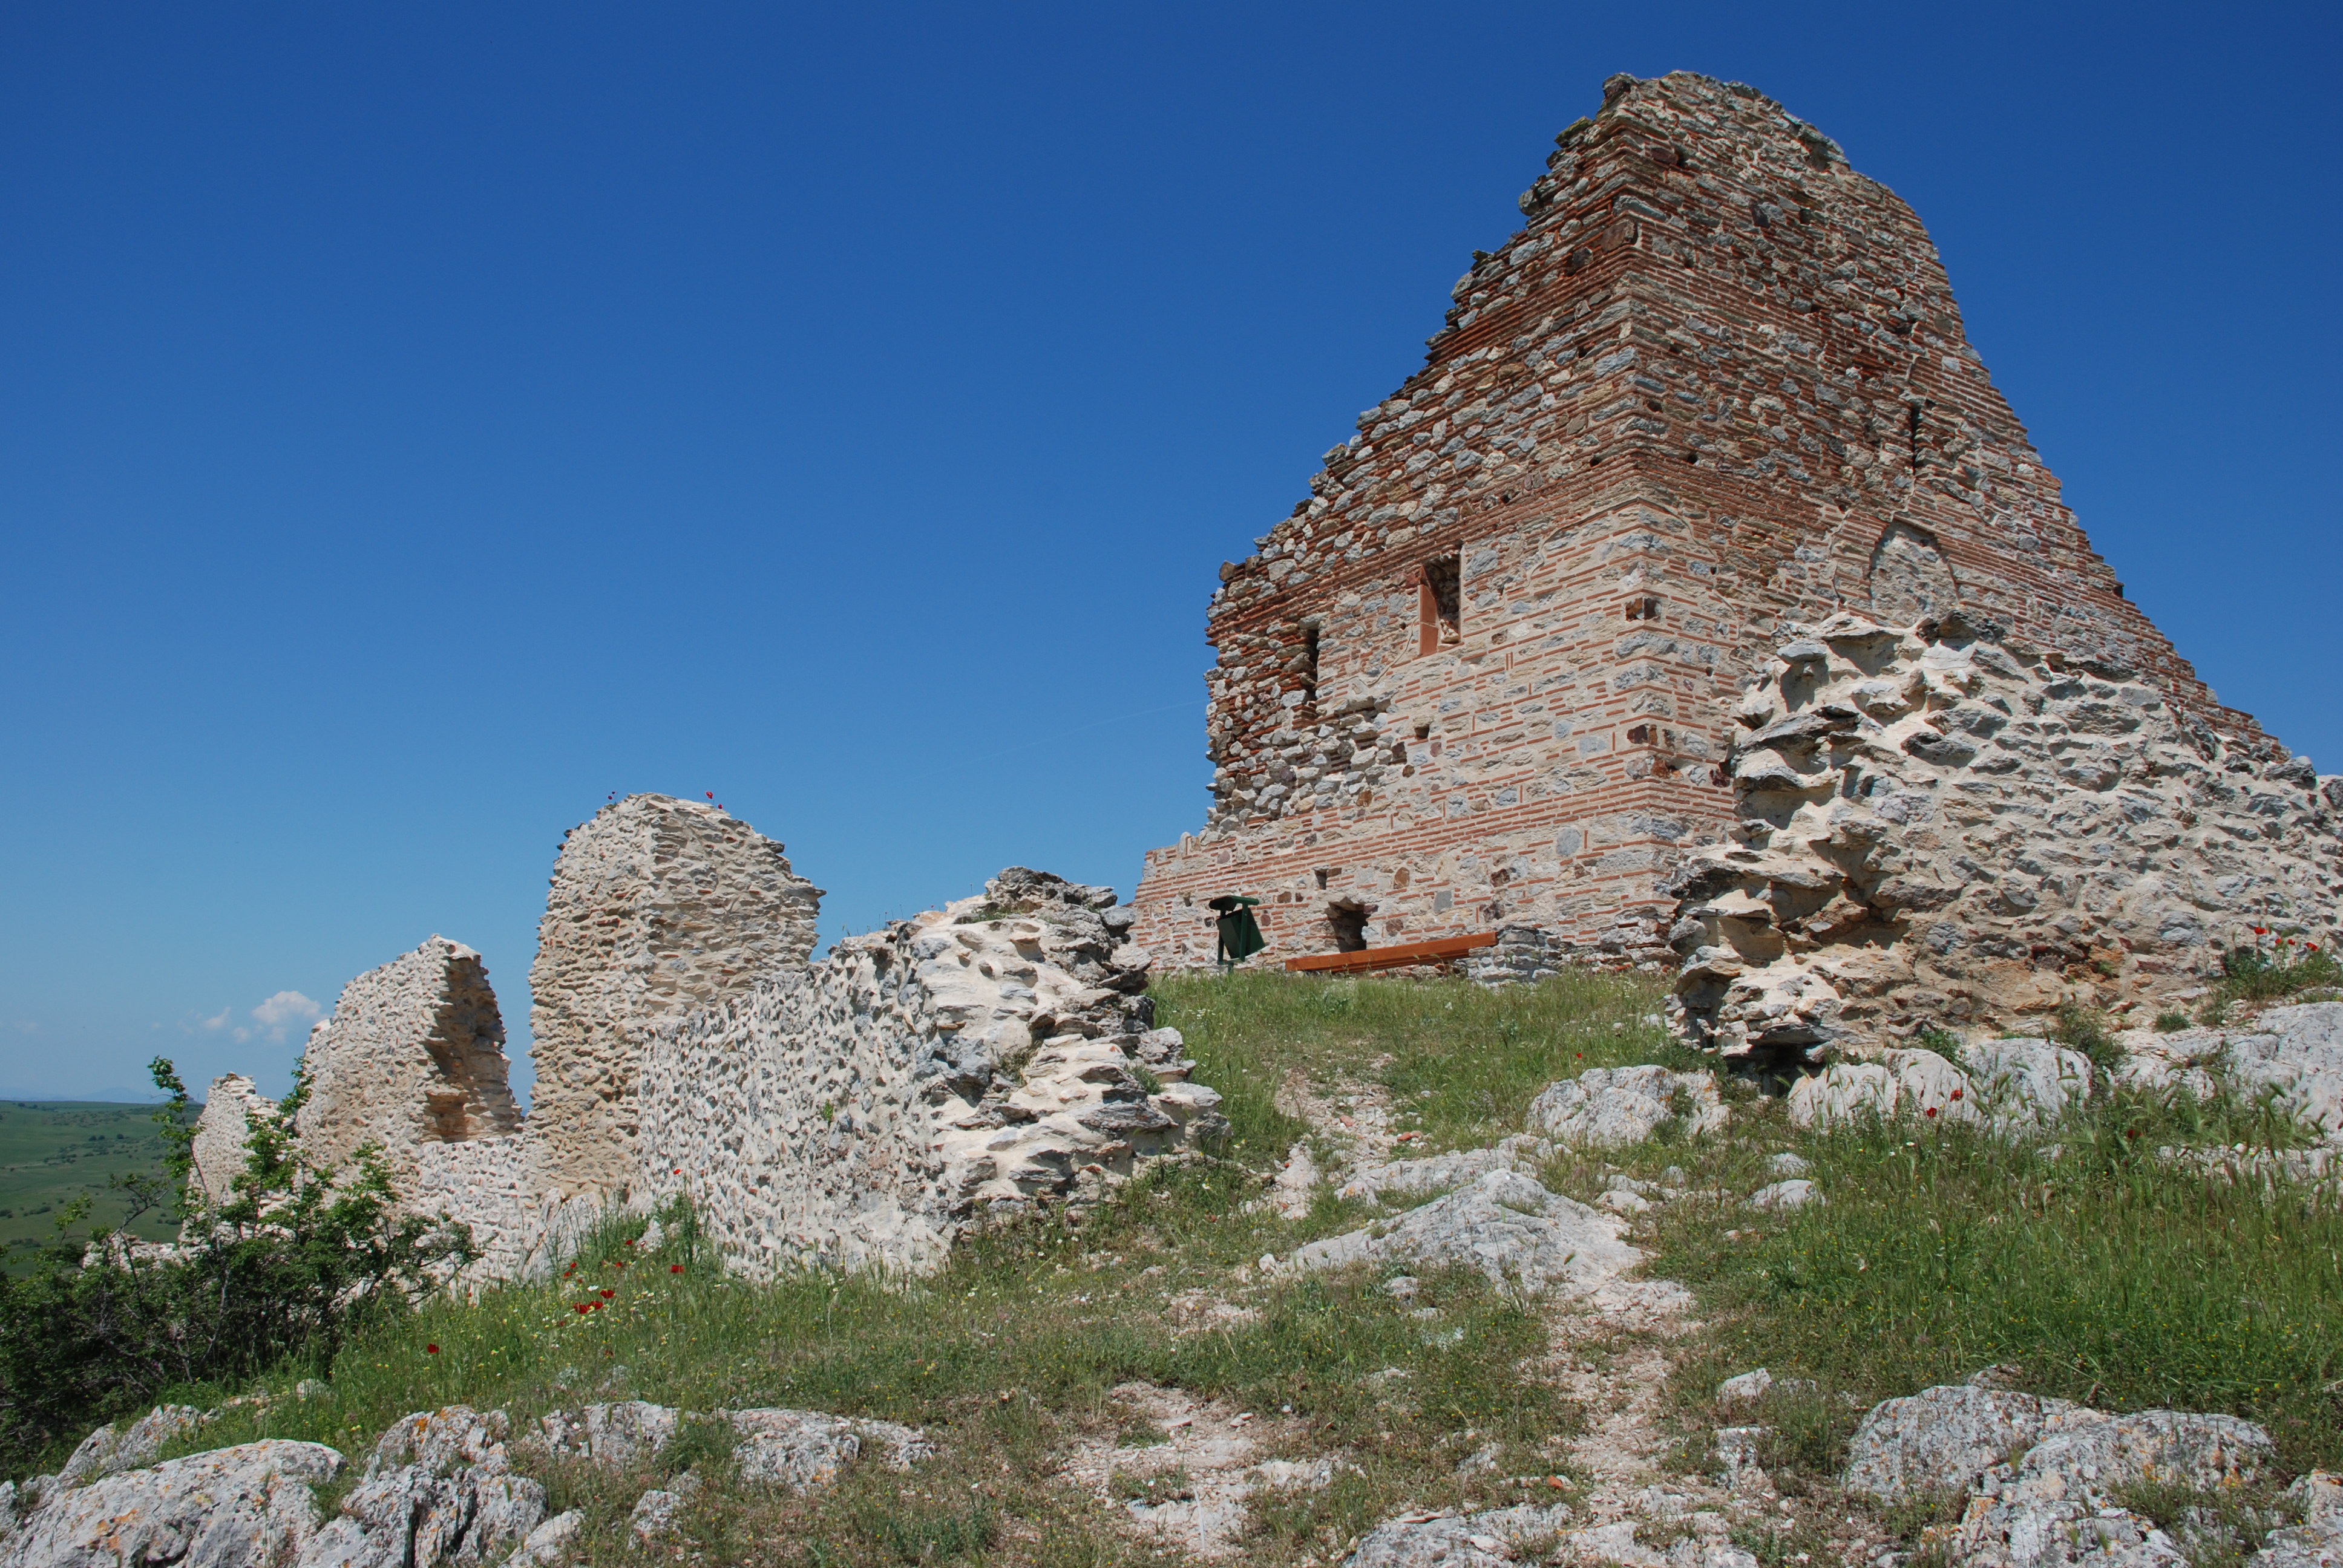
(658,907)
(414,1054)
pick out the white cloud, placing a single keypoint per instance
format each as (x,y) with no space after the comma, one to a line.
(284,1011)
(219,1021)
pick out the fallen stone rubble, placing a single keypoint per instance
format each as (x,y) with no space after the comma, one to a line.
(2045,1479)
(439,1489)
(1943,826)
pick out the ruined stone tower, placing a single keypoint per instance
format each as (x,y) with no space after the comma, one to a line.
(1484,675)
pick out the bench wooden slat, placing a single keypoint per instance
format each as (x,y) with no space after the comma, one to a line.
(1391,957)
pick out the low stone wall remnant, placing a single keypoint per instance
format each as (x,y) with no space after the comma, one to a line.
(859,1110)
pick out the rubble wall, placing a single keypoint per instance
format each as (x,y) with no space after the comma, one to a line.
(862,1111)
(1483,675)
(413,1055)
(218,1150)
(1948,826)
(658,906)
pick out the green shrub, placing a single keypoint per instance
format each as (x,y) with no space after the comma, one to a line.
(2085,1030)
(2171,1021)
(280,1274)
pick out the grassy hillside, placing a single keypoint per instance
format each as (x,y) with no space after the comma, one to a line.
(1047,1363)
(55,1151)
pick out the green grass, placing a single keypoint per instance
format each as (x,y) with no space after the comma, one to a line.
(52,1152)
(1461,1064)
(2106,1274)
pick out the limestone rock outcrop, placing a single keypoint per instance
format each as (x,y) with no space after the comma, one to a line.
(412,1054)
(1942,825)
(658,907)
(1611,1107)
(1504,1224)
(243,1507)
(2045,1478)
(439,1491)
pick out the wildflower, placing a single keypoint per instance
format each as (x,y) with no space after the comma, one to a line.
(606,1295)
(430,1350)
(583,1307)
(1956,1094)
(675,1268)
(1930,1112)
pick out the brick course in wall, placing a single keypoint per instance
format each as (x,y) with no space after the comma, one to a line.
(1482,676)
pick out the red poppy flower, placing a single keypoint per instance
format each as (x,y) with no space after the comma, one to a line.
(606,1295)
(583,1307)
(1956,1094)
(619,1263)
(675,1268)
(1930,1112)
(430,1350)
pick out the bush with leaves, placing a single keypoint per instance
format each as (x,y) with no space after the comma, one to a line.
(277,1274)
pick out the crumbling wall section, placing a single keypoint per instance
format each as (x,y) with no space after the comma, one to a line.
(412,1054)
(1948,826)
(222,1133)
(863,1112)
(658,907)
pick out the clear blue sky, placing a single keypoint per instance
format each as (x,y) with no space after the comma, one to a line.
(419,421)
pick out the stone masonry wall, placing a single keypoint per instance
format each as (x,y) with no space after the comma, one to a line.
(1943,826)
(412,1054)
(1482,675)
(219,1147)
(658,907)
(863,1112)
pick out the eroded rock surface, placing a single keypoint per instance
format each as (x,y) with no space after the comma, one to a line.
(2045,1478)
(1946,825)
(1611,1107)
(438,1490)
(1504,1224)
(243,1507)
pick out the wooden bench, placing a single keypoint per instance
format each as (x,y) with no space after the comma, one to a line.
(1366,961)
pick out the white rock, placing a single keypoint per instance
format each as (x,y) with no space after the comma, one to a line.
(2027,1083)
(1449,1541)
(1504,1224)
(547,1546)
(1794,1193)
(1787,1164)
(653,1520)
(1442,1172)
(2318,1541)
(1911,804)
(1747,1388)
(621,1436)
(805,1448)
(244,1507)
(1609,1108)
(1918,1084)
(437,1490)
(1942,1439)
(2297,1052)
(107,1452)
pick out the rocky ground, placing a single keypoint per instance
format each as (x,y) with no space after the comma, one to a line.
(1562,1298)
